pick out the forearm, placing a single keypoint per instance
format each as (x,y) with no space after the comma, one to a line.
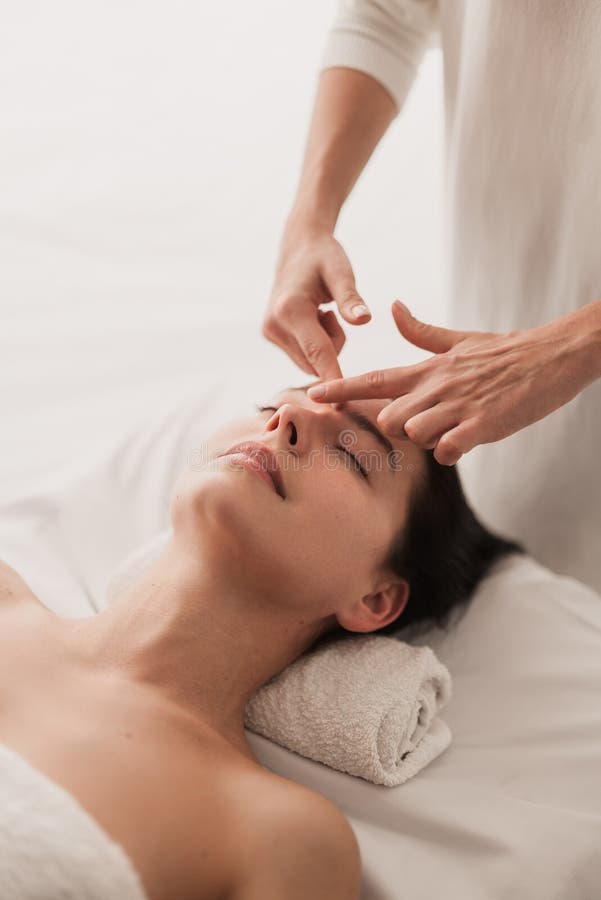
(351,113)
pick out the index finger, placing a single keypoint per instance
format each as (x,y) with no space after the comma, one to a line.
(380,384)
(317,347)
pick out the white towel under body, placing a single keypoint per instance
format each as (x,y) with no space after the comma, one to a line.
(51,848)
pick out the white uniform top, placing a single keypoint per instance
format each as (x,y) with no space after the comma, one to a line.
(523,223)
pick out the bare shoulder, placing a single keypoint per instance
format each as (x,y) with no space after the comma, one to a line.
(303,846)
(14,590)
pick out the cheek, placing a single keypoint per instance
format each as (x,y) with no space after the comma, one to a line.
(217,516)
(320,547)
(339,533)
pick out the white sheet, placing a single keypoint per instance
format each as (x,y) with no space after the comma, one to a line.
(512,808)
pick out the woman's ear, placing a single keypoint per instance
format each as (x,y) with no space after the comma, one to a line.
(378,609)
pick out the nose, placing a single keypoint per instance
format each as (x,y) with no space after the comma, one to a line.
(294,426)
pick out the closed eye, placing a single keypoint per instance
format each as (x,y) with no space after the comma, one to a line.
(265,408)
(356,464)
(358,467)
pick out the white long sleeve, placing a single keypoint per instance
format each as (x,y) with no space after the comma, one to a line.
(522,89)
(387,40)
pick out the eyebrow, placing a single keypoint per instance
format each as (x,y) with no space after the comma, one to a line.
(357,418)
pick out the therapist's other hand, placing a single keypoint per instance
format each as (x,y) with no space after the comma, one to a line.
(479,387)
(312,269)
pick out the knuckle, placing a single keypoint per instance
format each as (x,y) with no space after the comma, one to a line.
(285,304)
(267,329)
(375,379)
(386,423)
(313,351)
(413,430)
(443,455)
(453,357)
(450,444)
(448,450)
(452,382)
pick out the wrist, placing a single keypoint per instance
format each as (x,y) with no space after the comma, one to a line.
(317,204)
(309,214)
(583,335)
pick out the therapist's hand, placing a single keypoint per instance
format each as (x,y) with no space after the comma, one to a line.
(312,269)
(479,387)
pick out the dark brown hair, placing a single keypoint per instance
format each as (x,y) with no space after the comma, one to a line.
(443,551)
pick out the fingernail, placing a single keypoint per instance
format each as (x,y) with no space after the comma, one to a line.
(359,310)
(317,391)
(402,306)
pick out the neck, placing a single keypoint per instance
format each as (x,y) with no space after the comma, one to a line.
(206,644)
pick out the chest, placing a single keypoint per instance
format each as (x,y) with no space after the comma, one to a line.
(177,806)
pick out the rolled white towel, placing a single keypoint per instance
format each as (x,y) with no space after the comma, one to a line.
(367,705)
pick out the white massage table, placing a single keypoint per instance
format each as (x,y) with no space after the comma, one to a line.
(511,809)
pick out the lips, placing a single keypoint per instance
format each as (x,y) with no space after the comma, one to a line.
(265,458)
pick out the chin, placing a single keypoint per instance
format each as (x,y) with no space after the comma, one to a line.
(222,513)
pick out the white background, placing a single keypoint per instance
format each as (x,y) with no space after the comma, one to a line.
(149,156)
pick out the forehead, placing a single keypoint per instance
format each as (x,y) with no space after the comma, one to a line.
(374,406)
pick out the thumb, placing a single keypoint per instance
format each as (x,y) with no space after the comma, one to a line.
(351,305)
(339,279)
(428,337)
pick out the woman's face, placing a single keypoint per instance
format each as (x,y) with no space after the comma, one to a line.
(319,547)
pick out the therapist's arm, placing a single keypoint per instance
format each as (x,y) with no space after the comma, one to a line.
(352,111)
(369,62)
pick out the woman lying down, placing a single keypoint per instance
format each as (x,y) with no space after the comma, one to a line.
(319,528)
